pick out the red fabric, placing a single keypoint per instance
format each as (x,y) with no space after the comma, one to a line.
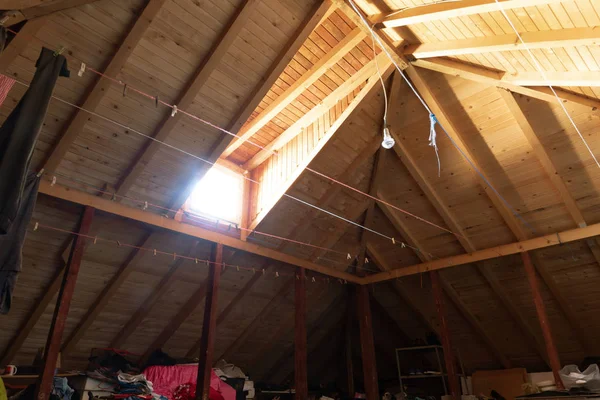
(167,379)
(6,84)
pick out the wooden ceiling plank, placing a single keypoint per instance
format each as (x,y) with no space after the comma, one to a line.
(258,320)
(319,12)
(44,9)
(382,265)
(175,323)
(510,42)
(115,208)
(511,221)
(300,85)
(288,355)
(187,96)
(553,78)
(104,297)
(101,86)
(20,42)
(144,310)
(494,78)
(370,69)
(365,92)
(444,211)
(445,10)
(411,240)
(193,352)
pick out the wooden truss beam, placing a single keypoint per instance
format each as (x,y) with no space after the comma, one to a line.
(410,239)
(186,98)
(306,80)
(39,9)
(444,211)
(507,215)
(209,324)
(144,310)
(510,42)
(104,297)
(101,86)
(369,70)
(397,55)
(319,12)
(548,166)
(501,80)
(44,385)
(368,90)
(445,10)
(112,207)
(20,42)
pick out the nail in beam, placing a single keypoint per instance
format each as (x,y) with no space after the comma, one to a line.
(543,318)
(44,384)
(300,358)
(445,335)
(209,323)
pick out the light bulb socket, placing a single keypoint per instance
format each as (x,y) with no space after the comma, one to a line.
(388,141)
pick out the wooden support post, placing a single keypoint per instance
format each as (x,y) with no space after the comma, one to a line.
(349,363)
(367,342)
(543,317)
(209,324)
(44,384)
(445,335)
(300,357)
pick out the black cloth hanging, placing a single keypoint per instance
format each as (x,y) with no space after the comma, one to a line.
(19,186)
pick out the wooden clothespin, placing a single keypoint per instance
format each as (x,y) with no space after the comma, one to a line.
(81,70)
(59,51)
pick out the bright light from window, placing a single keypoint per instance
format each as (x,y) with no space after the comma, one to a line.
(218,195)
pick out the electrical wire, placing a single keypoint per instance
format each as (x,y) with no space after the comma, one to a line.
(174,108)
(434,119)
(545,77)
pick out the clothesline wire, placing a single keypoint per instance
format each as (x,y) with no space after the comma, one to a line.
(173,107)
(545,77)
(464,155)
(174,255)
(252,180)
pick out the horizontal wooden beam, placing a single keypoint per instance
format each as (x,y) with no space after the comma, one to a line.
(569,78)
(509,42)
(501,80)
(452,9)
(112,207)
(540,242)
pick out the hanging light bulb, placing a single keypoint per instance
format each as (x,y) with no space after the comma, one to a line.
(388,140)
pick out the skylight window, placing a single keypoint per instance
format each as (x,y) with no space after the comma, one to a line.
(218,195)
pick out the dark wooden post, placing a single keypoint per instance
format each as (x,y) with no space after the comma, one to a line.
(445,336)
(61,311)
(349,362)
(300,358)
(367,342)
(209,324)
(543,318)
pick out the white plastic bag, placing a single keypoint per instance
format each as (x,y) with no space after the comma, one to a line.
(573,377)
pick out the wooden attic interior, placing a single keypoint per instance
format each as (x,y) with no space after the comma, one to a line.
(298,82)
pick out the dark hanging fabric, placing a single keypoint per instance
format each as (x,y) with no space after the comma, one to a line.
(18,186)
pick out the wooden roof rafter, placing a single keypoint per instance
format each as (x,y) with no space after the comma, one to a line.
(99,89)
(21,10)
(187,96)
(445,10)
(452,295)
(461,236)
(318,13)
(305,81)
(367,90)
(514,225)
